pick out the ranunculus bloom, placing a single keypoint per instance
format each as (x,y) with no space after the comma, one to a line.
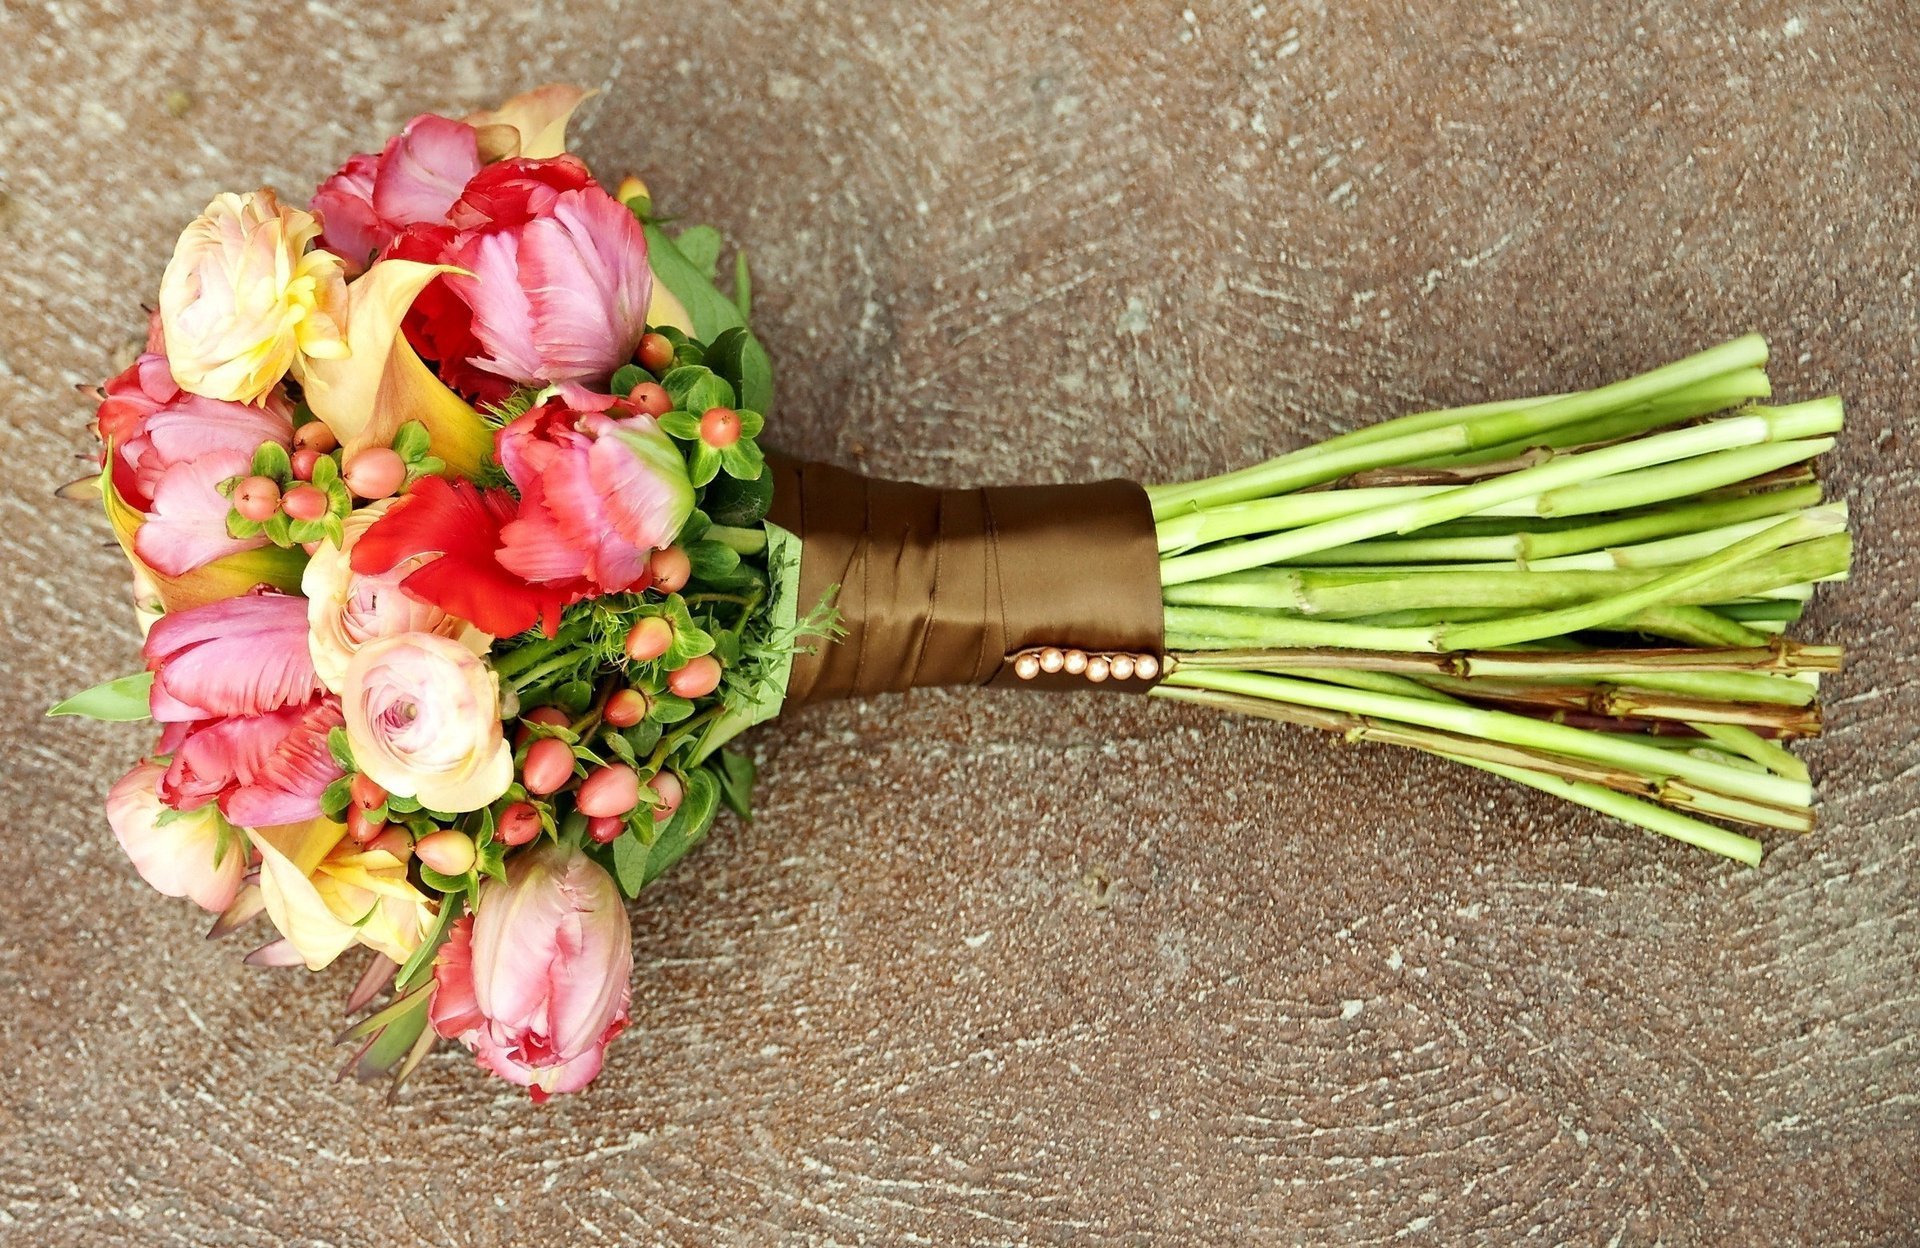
(261,769)
(559,279)
(171,449)
(601,488)
(413,180)
(325,894)
(423,719)
(183,856)
(237,657)
(346,609)
(243,300)
(535,981)
(459,525)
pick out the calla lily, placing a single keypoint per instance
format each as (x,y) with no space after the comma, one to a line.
(382,384)
(663,306)
(325,894)
(224,578)
(531,125)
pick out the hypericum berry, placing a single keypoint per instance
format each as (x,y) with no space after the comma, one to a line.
(394,841)
(671,792)
(625,708)
(257,498)
(608,792)
(654,353)
(447,851)
(367,794)
(552,716)
(549,766)
(697,679)
(720,427)
(316,437)
(651,400)
(362,829)
(305,502)
(376,473)
(303,462)
(518,824)
(648,639)
(605,829)
(671,569)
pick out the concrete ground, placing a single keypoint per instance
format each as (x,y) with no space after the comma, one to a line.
(993,968)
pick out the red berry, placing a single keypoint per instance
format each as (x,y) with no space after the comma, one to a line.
(608,792)
(316,437)
(376,472)
(257,498)
(360,828)
(605,829)
(625,708)
(671,569)
(720,427)
(305,502)
(367,795)
(303,462)
(548,767)
(697,679)
(651,400)
(518,824)
(552,716)
(655,353)
(648,639)
(395,841)
(672,792)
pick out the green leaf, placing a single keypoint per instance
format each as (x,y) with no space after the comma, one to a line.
(423,956)
(740,503)
(682,425)
(279,529)
(411,441)
(628,376)
(643,736)
(243,529)
(704,465)
(326,471)
(738,356)
(630,862)
(743,460)
(689,824)
(307,530)
(341,751)
(669,708)
(712,561)
(336,797)
(694,388)
(122,700)
(742,285)
(449,884)
(711,311)
(573,697)
(700,244)
(272,460)
(735,772)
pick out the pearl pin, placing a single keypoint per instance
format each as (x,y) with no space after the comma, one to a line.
(1052,660)
(1123,667)
(1074,662)
(1026,667)
(1098,668)
(1146,667)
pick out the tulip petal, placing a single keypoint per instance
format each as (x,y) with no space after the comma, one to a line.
(223,578)
(382,383)
(540,117)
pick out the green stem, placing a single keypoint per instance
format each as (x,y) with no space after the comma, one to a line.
(743,541)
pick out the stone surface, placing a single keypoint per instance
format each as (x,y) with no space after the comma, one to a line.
(994,969)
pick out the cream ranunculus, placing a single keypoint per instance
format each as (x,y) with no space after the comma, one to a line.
(347,609)
(183,854)
(245,300)
(423,720)
(325,894)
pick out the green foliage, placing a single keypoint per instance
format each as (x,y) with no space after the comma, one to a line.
(121,700)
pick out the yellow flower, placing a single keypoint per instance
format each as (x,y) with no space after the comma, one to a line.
(244,301)
(325,894)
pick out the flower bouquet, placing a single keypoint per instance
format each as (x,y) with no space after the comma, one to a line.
(461,566)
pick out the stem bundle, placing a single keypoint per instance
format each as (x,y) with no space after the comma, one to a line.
(1505,585)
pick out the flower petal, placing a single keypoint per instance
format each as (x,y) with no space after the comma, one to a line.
(539,116)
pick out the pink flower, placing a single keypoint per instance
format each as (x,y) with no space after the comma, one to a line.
(535,981)
(262,770)
(559,279)
(237,657)
(192,855)
(423,718)
(413,180)
(172,449)
(601,488)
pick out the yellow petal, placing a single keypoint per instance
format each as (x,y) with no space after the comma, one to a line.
(288,855)
(540,115)
(382,384)
(223,578)
(665,308)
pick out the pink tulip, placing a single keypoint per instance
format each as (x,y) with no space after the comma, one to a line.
(262,770)
(601,488)
(535,981)
(241,656)
(190,856)
(413,180)
(172,449)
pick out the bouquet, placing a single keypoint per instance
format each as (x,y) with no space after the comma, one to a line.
(461,566)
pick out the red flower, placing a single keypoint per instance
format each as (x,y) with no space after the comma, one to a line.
(457,525)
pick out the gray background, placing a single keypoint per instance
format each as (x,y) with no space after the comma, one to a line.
(1337,994)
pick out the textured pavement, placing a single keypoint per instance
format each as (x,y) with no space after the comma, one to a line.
(1000,969)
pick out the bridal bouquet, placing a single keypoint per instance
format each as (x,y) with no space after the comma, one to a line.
(461,566)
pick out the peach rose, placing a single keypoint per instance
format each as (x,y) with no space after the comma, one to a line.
(245,300)
(423,720)
(348,609)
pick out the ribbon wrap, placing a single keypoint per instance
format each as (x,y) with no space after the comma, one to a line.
(946,586)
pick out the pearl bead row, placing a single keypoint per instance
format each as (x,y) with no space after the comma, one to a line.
(1097,667)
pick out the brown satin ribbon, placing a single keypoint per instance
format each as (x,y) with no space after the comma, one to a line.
(943,587)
